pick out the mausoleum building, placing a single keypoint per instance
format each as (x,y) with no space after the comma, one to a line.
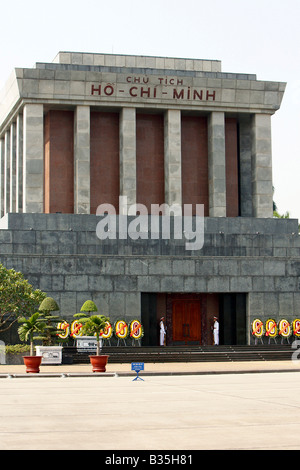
(95,149)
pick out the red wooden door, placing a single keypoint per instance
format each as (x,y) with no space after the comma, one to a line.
(186,321)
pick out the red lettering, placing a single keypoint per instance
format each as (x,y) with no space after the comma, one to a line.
(210,95)
(198,95)
(98,90)
(145,92)
(187,93)
(170,81)
(137,79)
(109,90)
(131,91)
(178,96)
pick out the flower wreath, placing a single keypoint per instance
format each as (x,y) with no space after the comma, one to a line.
(271,328)
(296,327)
(136,329)
(257,328)
(107,331)
(121,329)
(63,330)
(75,329)
(284,328)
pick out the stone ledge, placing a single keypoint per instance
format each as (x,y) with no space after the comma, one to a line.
(88,222)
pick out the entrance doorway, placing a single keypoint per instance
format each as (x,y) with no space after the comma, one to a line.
(189,318)
(186,321)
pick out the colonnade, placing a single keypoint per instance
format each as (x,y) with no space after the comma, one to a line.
(22,161)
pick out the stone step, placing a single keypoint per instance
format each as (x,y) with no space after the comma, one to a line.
(124,354)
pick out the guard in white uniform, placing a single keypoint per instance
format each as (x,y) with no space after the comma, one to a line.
(162,332)
(216,331)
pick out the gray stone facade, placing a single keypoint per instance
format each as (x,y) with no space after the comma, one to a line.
(62,255)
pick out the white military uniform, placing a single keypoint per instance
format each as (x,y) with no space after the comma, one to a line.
(216,332)
(162,333)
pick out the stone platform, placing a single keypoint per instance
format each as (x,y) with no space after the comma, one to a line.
(184,354)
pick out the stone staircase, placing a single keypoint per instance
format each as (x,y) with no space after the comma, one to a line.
(128,354)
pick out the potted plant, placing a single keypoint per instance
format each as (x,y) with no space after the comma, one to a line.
(27,331)
(50,350)
(93,326)
(83,341)
(47,306)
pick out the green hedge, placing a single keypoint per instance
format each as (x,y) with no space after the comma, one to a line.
(17,348)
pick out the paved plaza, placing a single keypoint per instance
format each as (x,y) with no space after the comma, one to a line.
(233,408)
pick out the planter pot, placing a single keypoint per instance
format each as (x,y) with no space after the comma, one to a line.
(32,364)
(99,363)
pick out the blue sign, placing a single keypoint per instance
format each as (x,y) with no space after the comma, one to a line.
(137,366)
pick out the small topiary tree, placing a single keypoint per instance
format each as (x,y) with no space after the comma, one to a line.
(50,330)
(89,306)
(92,325)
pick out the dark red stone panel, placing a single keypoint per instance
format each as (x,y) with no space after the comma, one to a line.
(59,162)
(232,179)
(194,148)
(150,159)
(105,165)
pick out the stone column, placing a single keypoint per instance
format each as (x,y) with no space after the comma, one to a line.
(173,186)
(262,189)
(128,157)
(82,200)
(1,177)
(19,163)
(6,171)
(216,165)
(12,168)
(245,166)
(33,163)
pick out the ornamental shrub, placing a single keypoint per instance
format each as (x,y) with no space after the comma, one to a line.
(48,305)
(89,306)
(17,348)
(51,329)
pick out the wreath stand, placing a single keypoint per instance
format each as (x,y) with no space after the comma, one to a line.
(285,338)
(106,341)
(256,340)
(274,338)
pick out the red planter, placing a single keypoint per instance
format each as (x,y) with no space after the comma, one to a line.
(99,363)
(32,364)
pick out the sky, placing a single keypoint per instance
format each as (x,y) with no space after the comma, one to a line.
(259,37)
